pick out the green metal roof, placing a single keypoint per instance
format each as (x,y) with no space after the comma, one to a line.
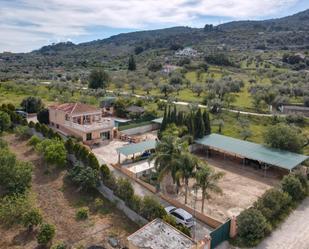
(137,148)
(280,158)
(158,120)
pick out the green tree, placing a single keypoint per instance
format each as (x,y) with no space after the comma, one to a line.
(167,154)
(13,208)
(98,78)
(124,189)
(188,164)
(131,63)
(199,126)
(46,234)
(272,204)
(206,120)
(152,209)
(32,218)
(5,121)
(252,227)
(207,180)
(85,177)
(32,104)
(43,116)
(54,151)
(284,137)
(292,185)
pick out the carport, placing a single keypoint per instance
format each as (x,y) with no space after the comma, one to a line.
(266,156)
(133,149)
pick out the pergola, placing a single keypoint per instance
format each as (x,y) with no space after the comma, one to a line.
(132,149)
(247,150)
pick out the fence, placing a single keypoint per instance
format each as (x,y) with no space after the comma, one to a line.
(132,215)
(222,233)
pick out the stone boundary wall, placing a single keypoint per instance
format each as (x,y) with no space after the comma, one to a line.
(132,215)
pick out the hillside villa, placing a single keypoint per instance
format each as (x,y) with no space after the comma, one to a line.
(81,121)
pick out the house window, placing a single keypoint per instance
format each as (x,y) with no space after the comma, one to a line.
(67,117)
(105,135)
(88,136)
(57,126)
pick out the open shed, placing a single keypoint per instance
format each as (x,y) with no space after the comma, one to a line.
(266,156)
(133,149)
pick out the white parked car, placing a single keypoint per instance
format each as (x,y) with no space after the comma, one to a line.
(181,216)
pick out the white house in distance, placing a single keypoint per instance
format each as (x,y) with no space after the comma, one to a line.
(82,121)
(186,52)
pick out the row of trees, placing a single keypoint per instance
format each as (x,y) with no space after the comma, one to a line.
(270,210)
(196,123)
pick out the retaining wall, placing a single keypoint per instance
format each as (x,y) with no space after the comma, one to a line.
(138,130)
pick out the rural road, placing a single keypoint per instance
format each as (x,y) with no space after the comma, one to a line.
(202,106)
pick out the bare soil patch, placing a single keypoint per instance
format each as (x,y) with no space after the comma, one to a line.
(59,201)
(241,187)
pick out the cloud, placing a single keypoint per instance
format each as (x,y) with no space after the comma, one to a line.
(29,24)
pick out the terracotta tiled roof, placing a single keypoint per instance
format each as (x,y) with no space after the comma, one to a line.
(75,108)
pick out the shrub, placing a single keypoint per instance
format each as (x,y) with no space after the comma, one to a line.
(3,144)
(151,208)
(111,182)
(31,124)
(85,177)
(60,245)
(37,127)
(46,234)
(5,121)
(69,146)
(172,221)
(53,151)
(23,132)
(32,218)
(273,203)
(124,190)
(82,214)
(93,161)
(13,208)
(105,172)
(34,140)
(252,227)
(292,185)
(98,204)
(135,203)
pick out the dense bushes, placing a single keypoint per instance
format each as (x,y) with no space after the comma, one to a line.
(53,151)
(85,177)
(15,176)
(270,209)
(32,104)
(252,226)
(46,234)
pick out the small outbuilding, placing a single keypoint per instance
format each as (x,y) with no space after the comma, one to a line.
(160,235)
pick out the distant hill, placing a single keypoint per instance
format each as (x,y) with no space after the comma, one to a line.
(291,32)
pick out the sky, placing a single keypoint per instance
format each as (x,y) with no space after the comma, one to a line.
(26,25)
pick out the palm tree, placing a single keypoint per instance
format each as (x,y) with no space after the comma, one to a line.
(188,164)
(166,156)
(207,180)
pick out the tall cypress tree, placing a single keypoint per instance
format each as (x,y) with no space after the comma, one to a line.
(174,115)
(206,120)
(164,123)
(131,63)
(199,128)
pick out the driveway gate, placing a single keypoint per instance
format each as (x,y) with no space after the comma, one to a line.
(221,234)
